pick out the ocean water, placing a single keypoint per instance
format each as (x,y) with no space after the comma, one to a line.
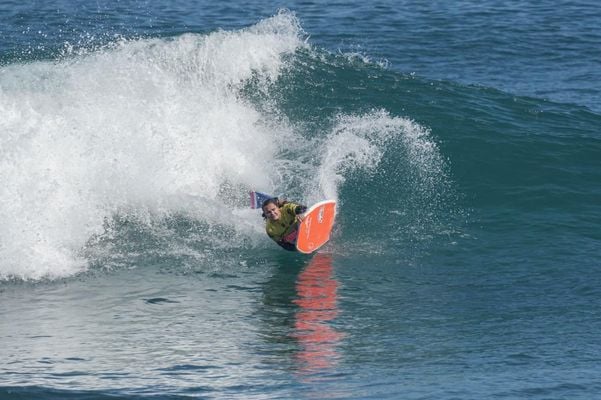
(461,140)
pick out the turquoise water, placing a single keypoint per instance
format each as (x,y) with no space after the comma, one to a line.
(461,142)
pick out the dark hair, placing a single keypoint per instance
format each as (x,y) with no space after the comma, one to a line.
(273,200)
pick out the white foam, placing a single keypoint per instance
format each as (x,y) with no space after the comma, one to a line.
(151,128)
(140,127)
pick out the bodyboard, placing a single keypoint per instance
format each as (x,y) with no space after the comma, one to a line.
(314,231)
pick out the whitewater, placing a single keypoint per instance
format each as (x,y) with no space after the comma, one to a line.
(144,129)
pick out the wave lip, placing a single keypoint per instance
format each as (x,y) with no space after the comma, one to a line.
(359,142)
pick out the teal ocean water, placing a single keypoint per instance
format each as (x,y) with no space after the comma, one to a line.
(461,142)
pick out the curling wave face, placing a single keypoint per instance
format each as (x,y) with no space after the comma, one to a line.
(144,130)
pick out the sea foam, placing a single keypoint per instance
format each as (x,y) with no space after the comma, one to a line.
(155,129)
(139,128)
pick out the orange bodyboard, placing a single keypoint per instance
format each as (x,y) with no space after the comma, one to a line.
(315,229)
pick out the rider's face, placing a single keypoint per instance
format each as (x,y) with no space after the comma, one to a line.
(272,212)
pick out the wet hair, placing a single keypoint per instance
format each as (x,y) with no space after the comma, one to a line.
(273,200)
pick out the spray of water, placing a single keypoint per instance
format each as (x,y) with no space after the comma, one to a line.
(139,128)
(147,130)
